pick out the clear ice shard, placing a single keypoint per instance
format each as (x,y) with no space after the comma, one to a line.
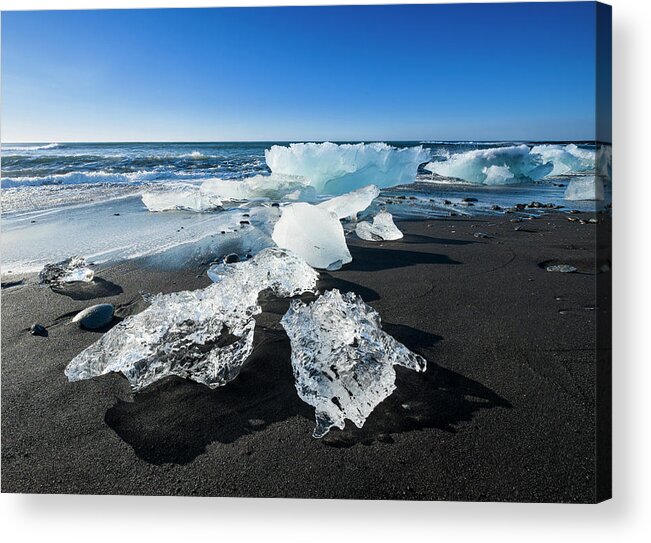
(342,360)
(382,229)
(590,187)
(314,234)
(348,205)
(203,335)
(335,169)
(184,198)
(70,270)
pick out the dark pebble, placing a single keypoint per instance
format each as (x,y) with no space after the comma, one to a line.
(38,330)
(469,200)
(231,258)
(96,316)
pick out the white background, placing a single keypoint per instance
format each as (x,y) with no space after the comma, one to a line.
(626,518)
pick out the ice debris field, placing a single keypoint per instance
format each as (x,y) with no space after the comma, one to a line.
(281,227)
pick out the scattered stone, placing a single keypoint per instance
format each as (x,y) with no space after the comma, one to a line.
(231,258)
(96,316)
(116,214)
(495,207)
(482,235)
(468,200)
(244,222)
(574,211)
(562,268)
(275,204)
(519,207)
(38,330)
(447,202)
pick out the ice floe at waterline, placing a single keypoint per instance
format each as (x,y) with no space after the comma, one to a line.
(342,359)
(260,187)
(348,205)
(382,229)
(566,159)
(495,166)
(181,198)
(585,188)
(335,169)
(204,335)
(70,270)
(313,233)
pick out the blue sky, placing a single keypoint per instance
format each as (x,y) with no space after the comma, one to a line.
(473,71)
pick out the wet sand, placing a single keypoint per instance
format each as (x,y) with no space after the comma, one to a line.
(505,411)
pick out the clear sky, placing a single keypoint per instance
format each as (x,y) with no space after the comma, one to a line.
(473,71)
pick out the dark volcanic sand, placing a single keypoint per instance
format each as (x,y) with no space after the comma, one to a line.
(506,410)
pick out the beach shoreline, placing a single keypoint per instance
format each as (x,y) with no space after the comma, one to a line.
(505,412)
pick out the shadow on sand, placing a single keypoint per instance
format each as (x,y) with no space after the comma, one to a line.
(173,421)
(97,288)
(380,258)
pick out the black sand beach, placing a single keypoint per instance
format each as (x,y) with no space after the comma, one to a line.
(505,411)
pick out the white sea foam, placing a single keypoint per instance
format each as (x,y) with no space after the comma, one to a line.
(27,147)
(335,169)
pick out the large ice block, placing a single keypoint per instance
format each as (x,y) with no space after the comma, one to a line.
(313,233)
(342,360)
(204,335)
(590,187)
(382,229)
(348,205)
(335,169)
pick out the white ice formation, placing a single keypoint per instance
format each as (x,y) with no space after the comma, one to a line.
(260,187)
(204,335)
(313,233)
(567,159)
(382,229)
(184,197)
(335,169)
(348,205)
(71,270)
(590,187)
(495,166)
(342,360)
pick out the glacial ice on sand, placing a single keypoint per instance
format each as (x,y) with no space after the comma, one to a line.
(335,169)
(203,335)
(70,270)
(314,234)
(382,229)
(566,158)
(260,187)
(342,359)
(348,205)
(495,166)
(585,188)
(188,198)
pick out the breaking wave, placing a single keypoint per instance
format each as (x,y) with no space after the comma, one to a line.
(27,147)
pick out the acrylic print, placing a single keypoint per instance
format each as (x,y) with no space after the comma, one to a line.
(311,252)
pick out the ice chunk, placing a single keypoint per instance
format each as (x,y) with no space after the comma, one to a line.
(350,204)
(313,233)
(335,169)
(494,166)
(562,268)
(203,335)
(585,188)
(567,159)
(342,360)
(71,270)
(383,228)
(260,187)
(186,198)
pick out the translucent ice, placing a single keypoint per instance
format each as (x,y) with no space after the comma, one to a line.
(342,360)
(335,169)
(314,234)
(187,198)
(350,204)
(383,228)
(260,187)
(566,159)
(71,270)
(203,335)
(585,188)
(495,166)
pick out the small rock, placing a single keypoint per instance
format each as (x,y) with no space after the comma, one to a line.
(467,200)
(231,258)
(116,214)
(447,202)
(495,207)
(275,204)
(96,316)
(482,235)
(38,330)
(245,222)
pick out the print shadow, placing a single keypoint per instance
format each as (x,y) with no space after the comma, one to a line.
(97,288)
(420,238)
(381,258)
(173,421)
